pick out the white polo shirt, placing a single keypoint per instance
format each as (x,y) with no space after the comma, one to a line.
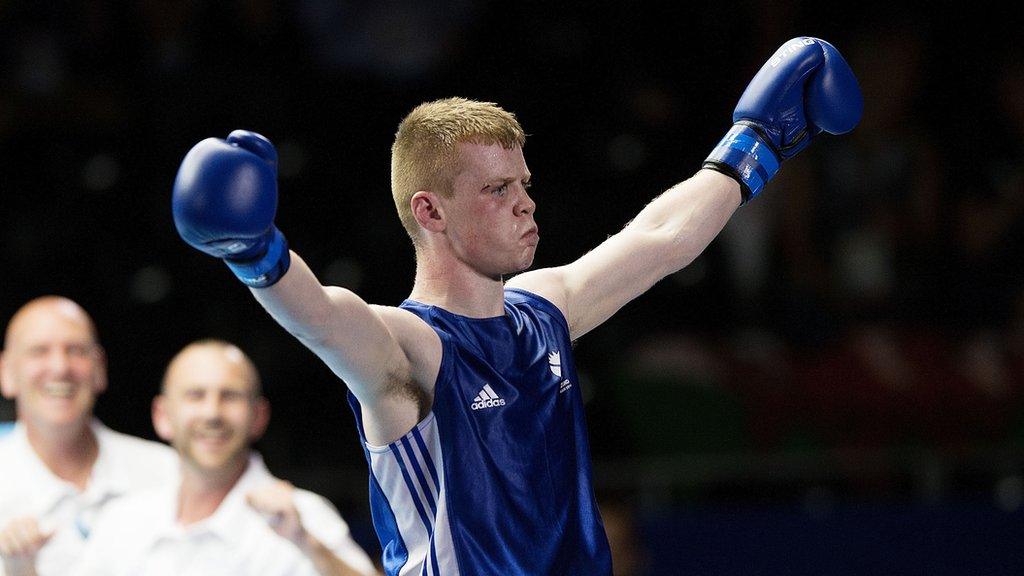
(28,488)
(140,535)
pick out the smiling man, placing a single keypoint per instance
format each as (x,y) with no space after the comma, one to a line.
(228,515)
(60,466)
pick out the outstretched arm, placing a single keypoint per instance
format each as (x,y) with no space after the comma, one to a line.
(665,236)
(225,200)
(804,89)
(349,335)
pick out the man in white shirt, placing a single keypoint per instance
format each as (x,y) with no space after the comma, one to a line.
(59,466)
(229,515)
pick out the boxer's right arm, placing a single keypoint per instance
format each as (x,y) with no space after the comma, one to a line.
(372,348)
(224,203)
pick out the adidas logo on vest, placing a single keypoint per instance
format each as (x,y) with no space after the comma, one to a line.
(486,399)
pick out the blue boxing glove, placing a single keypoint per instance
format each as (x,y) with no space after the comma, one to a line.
(224,201)
(804,89)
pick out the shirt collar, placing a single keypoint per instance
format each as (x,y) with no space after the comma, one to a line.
(226,521)
(48,488)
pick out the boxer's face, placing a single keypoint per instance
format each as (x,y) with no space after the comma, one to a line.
(52,366)
(210,411)
(489,219)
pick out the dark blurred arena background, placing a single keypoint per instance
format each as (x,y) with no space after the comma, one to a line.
(835,387)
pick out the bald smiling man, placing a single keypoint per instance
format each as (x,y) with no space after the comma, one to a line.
(228,515)
(61,466)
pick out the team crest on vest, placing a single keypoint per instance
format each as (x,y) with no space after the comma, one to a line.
(555,364)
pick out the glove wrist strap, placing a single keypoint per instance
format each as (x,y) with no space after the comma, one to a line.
(746,156)
(267,269)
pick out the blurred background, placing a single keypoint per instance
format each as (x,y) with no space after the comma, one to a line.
(836,386)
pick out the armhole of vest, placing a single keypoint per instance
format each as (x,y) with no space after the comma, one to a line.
(442,373)
(545,305)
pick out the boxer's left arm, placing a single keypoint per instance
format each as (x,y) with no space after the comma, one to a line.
(804,89)
(667,235)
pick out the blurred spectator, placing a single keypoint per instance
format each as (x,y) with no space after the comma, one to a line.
(61,466)
(227,515)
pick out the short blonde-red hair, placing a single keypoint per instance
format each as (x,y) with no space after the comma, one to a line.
(423,156)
